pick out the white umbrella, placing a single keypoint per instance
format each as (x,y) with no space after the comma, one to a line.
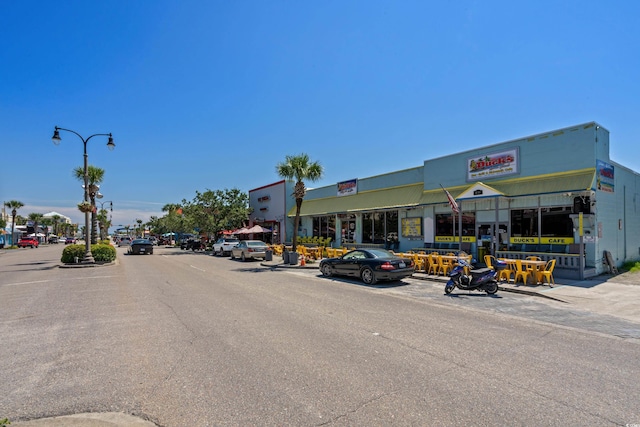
(258,229)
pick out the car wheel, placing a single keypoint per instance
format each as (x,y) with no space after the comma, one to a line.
(326,270)
(242,257)
(232,255)
(368,276)
(219,253)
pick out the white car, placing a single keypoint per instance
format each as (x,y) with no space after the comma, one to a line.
(223,245)
(124,241)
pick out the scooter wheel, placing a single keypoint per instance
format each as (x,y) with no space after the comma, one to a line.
(491,288)
(449,287)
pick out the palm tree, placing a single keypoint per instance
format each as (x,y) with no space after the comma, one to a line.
(37,219)
(56,220)
(299,168)
(14,205)
(96,175)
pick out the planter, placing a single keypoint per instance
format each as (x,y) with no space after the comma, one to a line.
(285,257)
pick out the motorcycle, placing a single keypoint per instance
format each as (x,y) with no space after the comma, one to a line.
(478,279)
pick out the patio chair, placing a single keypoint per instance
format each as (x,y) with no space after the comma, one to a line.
(443,266)
(547,273)
(522,273)
(433,264)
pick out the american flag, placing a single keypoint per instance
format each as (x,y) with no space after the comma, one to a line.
(452,202)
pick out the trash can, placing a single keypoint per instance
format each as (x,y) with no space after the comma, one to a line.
(268,255)
(293,258)
(285,257)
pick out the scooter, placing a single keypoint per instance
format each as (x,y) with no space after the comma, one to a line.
(478,279)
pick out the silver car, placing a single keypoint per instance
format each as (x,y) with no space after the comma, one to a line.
(249,249)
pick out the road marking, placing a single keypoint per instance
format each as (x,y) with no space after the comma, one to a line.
(193,266)
(27,283)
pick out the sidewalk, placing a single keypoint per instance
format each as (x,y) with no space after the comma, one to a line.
(617,295)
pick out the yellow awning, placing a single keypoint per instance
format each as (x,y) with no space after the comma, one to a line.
(413,195)
(572,181)
(404,196)
(582,180)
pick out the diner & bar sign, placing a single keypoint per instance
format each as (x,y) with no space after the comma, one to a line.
(492,165)
(454,239)
(348,188)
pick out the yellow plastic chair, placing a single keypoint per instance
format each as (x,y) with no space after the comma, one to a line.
(547,273)
(443,266)
(488,260)
(433,264)
(522,273)
(418,262)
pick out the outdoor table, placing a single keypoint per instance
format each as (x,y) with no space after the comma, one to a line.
(538,265)
(316,252)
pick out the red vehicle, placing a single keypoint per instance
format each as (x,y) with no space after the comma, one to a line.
(28,241)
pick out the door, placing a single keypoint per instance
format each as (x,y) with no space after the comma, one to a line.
(490,238)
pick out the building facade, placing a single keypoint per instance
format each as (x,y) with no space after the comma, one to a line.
(270,204)
(556,194)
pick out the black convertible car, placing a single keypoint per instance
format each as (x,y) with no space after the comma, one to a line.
(370,265)
(140,247)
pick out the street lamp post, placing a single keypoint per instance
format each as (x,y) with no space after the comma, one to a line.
(88,257)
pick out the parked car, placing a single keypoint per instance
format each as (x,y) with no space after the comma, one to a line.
(223,245)
(153,240)
(32,242)
(124,241)
(70,241)
(140,247)
(249,249)
(370,265)
(53,239)
(195,244)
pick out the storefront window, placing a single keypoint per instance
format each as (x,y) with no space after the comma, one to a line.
(377,225)
(324,226)
(445,224)
(524,222)
(556,222)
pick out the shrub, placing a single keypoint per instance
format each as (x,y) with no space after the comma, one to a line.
(105,242)
(100,252)
(103,253)
(72,251)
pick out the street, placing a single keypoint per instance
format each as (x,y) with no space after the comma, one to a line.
(186,339)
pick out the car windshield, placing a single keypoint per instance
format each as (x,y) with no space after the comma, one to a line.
(140,242)
(382,253)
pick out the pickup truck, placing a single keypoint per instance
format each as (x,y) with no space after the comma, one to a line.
(223,245)
(28,241)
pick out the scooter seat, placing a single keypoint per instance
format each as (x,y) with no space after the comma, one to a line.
(479,272)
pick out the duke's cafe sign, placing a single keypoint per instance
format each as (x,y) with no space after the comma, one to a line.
(542,240)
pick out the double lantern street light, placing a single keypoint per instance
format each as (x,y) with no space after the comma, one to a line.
(88,257)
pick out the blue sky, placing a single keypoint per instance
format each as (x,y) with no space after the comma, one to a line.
(213,94)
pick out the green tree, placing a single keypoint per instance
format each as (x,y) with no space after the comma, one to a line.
(299,168)
(96,175)
(103,223)
(56,221)
(37,220)
(14,205)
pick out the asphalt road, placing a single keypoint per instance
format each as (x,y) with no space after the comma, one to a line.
(186,339)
